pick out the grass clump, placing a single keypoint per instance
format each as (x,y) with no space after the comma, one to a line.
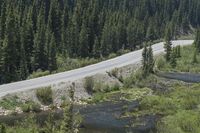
(31,107)
(10,103)
(39,73)
(45,95)
(89,84)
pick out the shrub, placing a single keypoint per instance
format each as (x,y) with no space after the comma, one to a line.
(35,108)
(89,84)
(38,73)
(28,107)
(114,73)
(10,102)
(160,63)
(45,95)
(112,55)
(115,87)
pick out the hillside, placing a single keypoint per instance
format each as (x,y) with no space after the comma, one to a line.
(37,35)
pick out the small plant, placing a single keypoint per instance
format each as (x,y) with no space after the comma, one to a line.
(9,102)
(38,73)
(89,84)
(114,73)
(115,87)
(31,106)
(26,108)
(45,95)
(161,62)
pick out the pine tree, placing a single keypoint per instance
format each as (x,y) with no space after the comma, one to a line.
(194,60)
(10,49)
(96,48)
(197,40)
(52,54)
(178,51)
(173,61)
(150,59)
(40,53)
(168,44)
(151,35)
(84,41)
(106,42)
(145,61)
(23,64)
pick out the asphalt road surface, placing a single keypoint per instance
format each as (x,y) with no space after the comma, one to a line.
(126,59)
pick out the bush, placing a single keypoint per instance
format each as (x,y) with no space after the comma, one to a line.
(112,55)
(114,73)
(89,84)
(28,107)
(133,79)
(115,87)
(160,63)
(9,102)
(39,73)
(45,95)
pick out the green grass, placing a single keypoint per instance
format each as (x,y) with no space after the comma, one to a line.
(45,95)
(184,64)
(185,121)
(10,103)
(121,94)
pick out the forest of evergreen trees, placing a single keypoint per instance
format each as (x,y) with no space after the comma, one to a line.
(34,32)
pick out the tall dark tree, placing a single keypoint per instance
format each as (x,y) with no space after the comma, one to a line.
(52,54)
(168,44)
(23,64)
(197,40)
(10,48)
(40,53)
(84,41)
(173,60)
(147,60)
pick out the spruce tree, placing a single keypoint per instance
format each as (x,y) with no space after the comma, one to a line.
(23,64)
(84,41)
(197,40)
(145,61)
(52,54)
(10,49)
(178,51)
(40,53)
(150,59)
(173,61)
(168,44)
(194,59)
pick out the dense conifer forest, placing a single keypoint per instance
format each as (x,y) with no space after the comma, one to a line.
(33,33)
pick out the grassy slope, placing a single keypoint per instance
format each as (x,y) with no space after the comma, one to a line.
(184,64)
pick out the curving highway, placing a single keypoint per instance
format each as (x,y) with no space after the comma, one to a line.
(126,59)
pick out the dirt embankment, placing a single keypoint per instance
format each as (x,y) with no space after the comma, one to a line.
(61,90)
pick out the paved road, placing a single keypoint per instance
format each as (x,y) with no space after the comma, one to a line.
(130,58)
